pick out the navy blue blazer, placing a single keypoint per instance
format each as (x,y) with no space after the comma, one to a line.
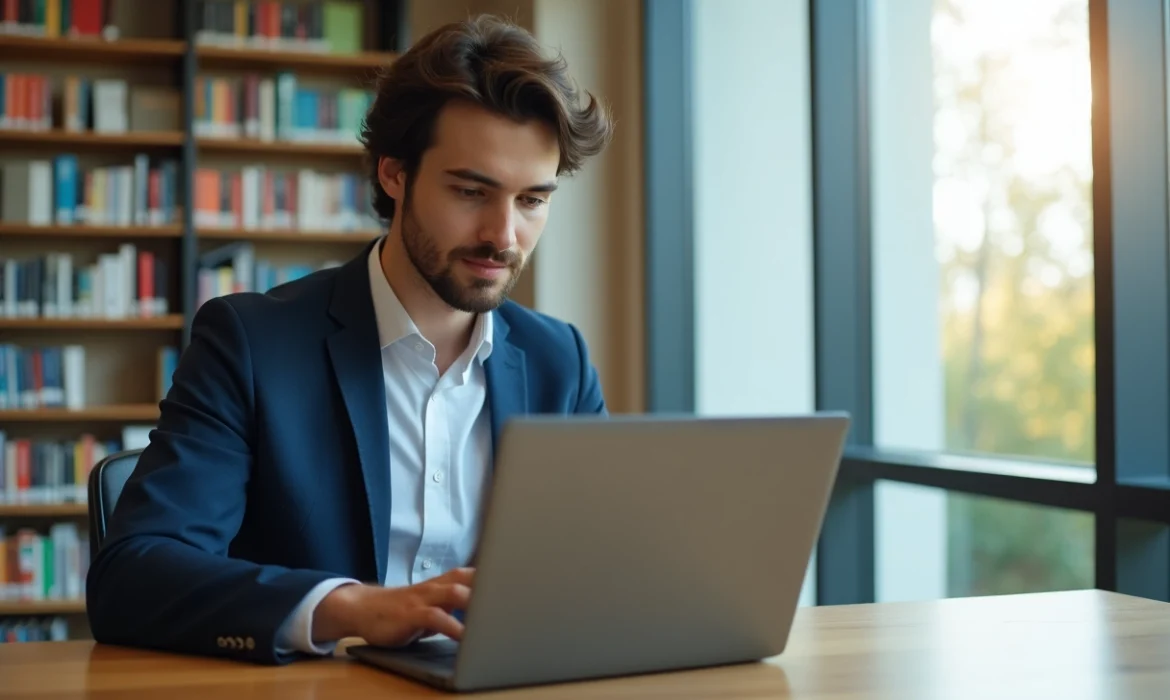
(269,469)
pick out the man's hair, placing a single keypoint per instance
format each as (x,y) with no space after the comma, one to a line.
(491,63)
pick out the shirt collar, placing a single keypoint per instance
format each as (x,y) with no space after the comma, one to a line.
(395,324)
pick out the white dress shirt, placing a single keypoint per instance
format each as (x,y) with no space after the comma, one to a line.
(440,451)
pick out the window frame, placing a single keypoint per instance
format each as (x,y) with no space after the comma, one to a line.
(1131,247)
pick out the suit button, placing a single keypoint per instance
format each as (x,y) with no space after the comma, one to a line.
(221,642)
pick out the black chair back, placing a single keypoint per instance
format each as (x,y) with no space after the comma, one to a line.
(106,480)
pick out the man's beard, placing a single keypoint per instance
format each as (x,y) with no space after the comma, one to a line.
(481,295)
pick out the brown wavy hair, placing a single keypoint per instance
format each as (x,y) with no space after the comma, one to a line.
(489,62)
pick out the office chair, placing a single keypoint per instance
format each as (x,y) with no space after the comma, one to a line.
(106,480)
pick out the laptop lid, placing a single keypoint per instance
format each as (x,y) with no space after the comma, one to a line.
(629,544)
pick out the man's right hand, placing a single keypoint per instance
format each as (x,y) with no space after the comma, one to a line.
(394,616)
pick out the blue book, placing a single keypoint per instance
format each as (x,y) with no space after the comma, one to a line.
(65,186)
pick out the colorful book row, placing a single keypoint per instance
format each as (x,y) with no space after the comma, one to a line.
(234,268)
(269,109)
(35,566)
(52,18)
(258,198)
(130,283)
(42,377)
(43,192)
(49,471)
(333,27)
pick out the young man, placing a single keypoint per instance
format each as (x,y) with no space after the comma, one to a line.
(320,464)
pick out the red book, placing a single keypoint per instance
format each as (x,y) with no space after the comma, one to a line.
(87,18)
(145,283)
(23,468)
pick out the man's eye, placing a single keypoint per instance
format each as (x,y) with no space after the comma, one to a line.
(467,192)
(533,201)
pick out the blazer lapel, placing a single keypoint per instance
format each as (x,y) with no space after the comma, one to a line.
(507,379)
(357,365)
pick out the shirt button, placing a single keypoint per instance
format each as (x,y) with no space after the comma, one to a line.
(438,477)
(427,563)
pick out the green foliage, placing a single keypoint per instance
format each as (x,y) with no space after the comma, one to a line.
(1019,356)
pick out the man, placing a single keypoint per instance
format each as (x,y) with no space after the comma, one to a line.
(320,465)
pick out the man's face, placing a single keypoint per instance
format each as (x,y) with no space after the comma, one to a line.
(475,209)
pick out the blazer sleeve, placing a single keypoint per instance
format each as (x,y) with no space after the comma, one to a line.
(163,578)
(589,395)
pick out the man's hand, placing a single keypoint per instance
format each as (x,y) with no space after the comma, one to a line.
(394,616)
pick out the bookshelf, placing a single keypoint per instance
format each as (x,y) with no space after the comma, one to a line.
(194,153)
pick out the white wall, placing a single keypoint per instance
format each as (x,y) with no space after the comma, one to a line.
(753,209)
(909,410)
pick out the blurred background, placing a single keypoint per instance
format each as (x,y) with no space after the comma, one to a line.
(947,217)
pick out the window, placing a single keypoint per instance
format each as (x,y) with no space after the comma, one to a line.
(753,350)
(988,272)
(931,543)
(982,227)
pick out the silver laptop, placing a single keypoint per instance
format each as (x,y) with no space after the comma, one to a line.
(635,544)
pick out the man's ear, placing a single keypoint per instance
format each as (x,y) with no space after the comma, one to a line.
(392,177)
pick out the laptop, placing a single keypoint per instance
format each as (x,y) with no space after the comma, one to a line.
(624,545)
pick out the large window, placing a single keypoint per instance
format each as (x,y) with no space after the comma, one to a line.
(982,228)
(990,298)
(981,194)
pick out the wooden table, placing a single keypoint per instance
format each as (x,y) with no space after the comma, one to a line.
(1085,644)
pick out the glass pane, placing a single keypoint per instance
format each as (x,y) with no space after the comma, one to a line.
(983,266)
(931,543)
(764,136)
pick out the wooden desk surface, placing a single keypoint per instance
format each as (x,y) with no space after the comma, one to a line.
(1085,644)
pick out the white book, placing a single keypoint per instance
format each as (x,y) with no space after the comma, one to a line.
(307,194)
(267,111)
(128,294)
(74,374)
(111,287)
(109,106)
(251,181)
(286,90)
(65,285)
(126,207)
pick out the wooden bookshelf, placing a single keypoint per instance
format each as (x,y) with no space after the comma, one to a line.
(42,607)
(146,52)
(117,413)
(122,358)
(213,144)
(91,140)
(168,322)
(84,231)
(274,236)
(243,58)
(43,510)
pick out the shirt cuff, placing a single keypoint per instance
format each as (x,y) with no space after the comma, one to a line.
(296,633)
